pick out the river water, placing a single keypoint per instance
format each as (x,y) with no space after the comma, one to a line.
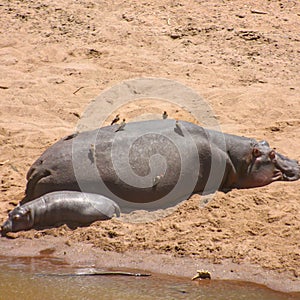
(31,278)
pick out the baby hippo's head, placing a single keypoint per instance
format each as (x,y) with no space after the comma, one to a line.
(18,219)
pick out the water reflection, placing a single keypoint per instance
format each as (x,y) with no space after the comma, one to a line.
(26,278)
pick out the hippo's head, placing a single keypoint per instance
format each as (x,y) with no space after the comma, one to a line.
(18,219)
(265,165)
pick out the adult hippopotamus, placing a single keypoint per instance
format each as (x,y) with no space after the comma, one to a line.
(155,164)
(57,208)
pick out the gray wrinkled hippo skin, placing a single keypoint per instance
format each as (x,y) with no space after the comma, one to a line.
(57,208)
(248,163)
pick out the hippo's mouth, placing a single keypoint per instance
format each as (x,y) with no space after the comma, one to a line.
(289,169)
(5,228)
(277,175)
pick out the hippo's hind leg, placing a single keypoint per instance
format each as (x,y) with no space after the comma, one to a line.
(34,175)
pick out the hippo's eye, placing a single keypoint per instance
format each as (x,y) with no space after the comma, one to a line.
(16,217)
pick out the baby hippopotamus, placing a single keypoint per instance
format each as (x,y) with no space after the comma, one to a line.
(57,208)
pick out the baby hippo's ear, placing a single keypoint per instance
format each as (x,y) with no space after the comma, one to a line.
(27,212)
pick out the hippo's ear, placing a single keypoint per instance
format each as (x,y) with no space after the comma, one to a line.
(27,212)
(272,155)
(256,152)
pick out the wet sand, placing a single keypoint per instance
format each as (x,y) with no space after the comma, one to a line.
(61,252)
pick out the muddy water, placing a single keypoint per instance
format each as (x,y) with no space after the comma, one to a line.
(28,278)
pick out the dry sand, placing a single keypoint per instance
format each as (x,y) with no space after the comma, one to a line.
(241,56)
